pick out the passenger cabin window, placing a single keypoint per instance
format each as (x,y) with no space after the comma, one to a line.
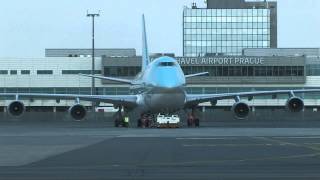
(166,64)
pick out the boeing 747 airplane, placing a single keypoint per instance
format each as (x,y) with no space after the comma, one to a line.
(161,89)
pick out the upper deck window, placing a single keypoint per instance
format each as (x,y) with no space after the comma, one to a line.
(166,64)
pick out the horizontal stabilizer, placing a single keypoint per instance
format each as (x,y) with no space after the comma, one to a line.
(126,81)
(197,74)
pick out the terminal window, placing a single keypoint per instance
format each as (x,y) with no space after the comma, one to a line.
(13,72)
(24,72)
(3,71)
(72,72)
(129,71)
(44,72)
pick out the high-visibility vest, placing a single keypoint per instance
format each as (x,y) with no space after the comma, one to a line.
(126,119)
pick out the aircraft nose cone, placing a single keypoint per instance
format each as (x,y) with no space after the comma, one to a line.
(169,84)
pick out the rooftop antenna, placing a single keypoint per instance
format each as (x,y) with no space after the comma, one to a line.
(194,5)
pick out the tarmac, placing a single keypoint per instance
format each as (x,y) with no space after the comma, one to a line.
(96,150)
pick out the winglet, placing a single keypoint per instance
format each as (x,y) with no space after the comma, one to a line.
(145,53)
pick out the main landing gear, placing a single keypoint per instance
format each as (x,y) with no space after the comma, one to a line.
(145,121)
(193,120)
(120,120)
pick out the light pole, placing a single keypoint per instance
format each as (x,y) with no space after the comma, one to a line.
(93,92)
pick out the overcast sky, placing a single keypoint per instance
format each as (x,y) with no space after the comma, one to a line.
(28,27)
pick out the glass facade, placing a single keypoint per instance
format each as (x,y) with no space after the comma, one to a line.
(227,31)
(249,71)
(313,69)
(225,71)
(122,71)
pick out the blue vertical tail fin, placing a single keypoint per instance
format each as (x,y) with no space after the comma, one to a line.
(145,53)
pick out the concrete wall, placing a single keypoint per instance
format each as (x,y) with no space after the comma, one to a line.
(57,79)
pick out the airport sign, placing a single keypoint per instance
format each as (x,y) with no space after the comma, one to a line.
(220,60)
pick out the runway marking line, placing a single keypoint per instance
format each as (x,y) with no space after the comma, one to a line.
(229,145)
(231,160)
(208,138)
(298,137)
(301,145)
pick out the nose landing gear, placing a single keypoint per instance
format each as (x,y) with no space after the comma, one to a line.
(193,120)
(118,119)
(145,121)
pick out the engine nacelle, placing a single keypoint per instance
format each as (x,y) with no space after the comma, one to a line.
(77,112)
(295,104)
(241,110)
(16,108)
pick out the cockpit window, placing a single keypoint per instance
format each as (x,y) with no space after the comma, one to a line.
(166,64)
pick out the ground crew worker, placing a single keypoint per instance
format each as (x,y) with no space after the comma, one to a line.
(190,120)
(126,121)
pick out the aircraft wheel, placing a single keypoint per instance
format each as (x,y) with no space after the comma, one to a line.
(116,123)
(147,123)
(190,122)
(197,122)
(139,123)
(126,125)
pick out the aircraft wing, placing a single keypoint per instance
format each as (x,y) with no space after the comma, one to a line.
(126,81)
(194,99)
(125,100)
(197,74)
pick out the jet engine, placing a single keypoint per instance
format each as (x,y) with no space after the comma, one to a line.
(241,110)
(16,108)
(295,104)
(77,112)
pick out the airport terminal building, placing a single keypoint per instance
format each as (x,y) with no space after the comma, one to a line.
(256,69)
